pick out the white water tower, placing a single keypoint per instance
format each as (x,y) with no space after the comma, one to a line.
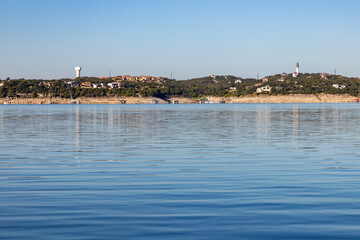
(77,71)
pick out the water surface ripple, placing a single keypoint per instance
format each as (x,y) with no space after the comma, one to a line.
(215,171)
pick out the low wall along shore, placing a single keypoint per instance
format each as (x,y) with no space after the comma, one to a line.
(297,98)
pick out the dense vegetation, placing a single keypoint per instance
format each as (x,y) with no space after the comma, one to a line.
(194,88)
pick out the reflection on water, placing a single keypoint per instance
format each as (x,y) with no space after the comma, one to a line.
(217,171)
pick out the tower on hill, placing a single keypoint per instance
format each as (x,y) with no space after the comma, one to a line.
(77,71)
(297,68)
(296,73)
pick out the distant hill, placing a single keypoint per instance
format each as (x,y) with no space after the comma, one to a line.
(222,86)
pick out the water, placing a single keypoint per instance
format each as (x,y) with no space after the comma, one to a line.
(216,171)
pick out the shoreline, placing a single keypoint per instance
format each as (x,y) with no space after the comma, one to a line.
(293,98)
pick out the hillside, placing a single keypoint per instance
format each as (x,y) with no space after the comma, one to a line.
(217,86)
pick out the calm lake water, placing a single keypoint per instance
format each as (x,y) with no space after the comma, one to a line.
(213,171)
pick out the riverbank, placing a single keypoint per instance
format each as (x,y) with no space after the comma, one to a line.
(295,98)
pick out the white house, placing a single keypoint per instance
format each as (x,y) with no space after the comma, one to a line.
(338,86)
(113,85)
(263,89)
(232,88)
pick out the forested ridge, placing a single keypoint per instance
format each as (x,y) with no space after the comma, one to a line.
(222,86)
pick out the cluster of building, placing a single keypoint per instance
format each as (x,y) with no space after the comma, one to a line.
(146,79)
(92,84)
(139,78)
(324,76)
(117,81)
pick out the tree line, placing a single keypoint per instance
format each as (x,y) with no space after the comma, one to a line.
(223,86)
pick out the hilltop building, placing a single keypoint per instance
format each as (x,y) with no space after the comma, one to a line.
(139,78)
(296,73)
(326,76)
(77,71)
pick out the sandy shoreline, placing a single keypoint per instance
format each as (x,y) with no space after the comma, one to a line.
(295,98)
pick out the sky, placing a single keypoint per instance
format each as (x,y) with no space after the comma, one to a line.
(46,39)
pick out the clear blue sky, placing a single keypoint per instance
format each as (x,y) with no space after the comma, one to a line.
(48,38)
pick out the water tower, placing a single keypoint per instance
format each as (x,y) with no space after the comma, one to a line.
(77,71)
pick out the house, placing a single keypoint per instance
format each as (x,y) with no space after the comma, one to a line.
(71,84)
(86,85)
(97,85)
(325,76)
(338,86)
(113,85)
(118,78)
(47,83)
(263,89)
(238,81)
(265,80)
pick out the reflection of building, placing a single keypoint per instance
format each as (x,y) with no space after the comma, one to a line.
(263,121)
(77,127)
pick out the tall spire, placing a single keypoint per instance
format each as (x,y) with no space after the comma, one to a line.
(297,68)
(296,73)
